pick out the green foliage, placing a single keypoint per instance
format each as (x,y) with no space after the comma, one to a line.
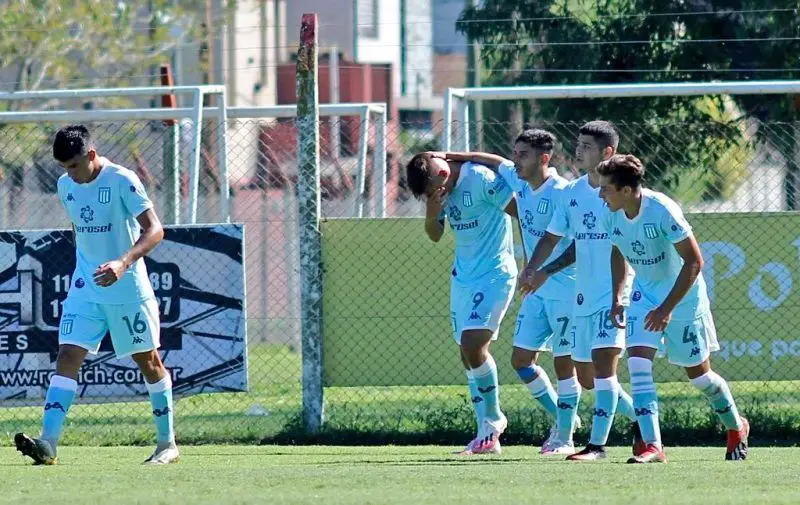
(626,41)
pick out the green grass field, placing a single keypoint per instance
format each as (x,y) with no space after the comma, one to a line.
(270,413)
(391,474)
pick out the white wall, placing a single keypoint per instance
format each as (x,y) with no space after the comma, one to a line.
(385,48)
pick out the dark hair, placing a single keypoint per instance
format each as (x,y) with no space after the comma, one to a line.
(71,141)
(541,140)
(603,133)
(418,173)
(623,170)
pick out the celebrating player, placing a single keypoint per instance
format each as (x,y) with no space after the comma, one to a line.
(545,318)
(597,344)
(669,301)
(110,290)
(473,198)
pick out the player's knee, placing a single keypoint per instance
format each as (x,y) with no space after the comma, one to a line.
(69,360)
(586,380)
(150,364)
(522,360)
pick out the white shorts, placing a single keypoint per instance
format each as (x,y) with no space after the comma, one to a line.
(134,326)
(480,305)
(595,331)
(544,325)
(688,343)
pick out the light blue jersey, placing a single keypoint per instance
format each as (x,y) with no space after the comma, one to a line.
(580,212)
(535,210)
(103,213)
(475,211)
(648,244)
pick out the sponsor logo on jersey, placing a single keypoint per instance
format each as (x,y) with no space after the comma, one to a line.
(589,220)
(465,226)
(454,213)
(87,214)
(647,261)
(638,248)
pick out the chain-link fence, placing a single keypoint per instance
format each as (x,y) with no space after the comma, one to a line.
(392,372)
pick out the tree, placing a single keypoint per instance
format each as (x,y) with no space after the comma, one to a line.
(81,43)
(620,41)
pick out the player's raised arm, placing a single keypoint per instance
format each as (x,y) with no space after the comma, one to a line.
(489,160)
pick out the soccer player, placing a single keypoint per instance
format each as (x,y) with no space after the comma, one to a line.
(110,290)
(545,318)
(474,200)
(669,301)
(597,344)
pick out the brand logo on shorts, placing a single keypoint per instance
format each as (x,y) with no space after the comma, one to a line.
(79,283)
(695,351)
(466,199)
(637,295)
(650,230)
(474,316)
(104,194)
(137,340)
(602,334)
(580,298)
(563,342)
(544,204)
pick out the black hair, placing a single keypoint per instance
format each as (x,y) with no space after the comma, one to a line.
(418,173)
(603,132)
(71,141)
(541,140)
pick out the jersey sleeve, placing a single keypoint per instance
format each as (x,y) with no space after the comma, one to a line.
(509,172)
(60,185)
(134,197)
(674,225)
(559,223)
(496,190)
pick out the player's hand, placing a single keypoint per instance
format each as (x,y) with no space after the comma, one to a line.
(109,273)
(617,316)
(437,154)
(657,320)
(531,280)
(434,202)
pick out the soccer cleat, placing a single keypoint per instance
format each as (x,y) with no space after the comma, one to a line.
(488,440)
(737,442)
(590,453)
(559,448)
(651,454)
(552,438)
(164,456)
(639,445)
(39,450)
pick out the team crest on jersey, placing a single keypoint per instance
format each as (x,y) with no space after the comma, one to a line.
(638,247)
(104,195)
(589,220)
(650,230)
(454,213)
(544,204)
(466,199)
(87,214)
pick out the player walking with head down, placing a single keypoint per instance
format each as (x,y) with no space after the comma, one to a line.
(115,227)
(473,199)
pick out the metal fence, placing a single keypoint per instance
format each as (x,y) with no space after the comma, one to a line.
(710,168)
